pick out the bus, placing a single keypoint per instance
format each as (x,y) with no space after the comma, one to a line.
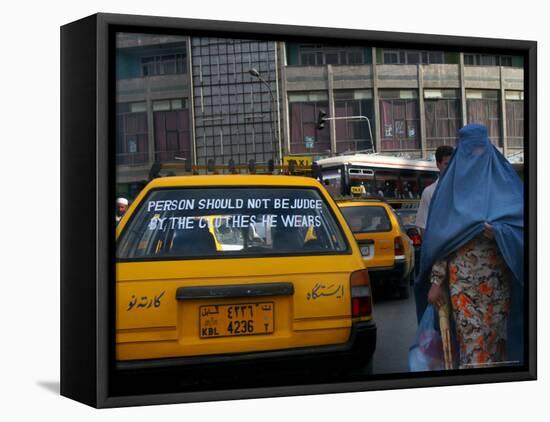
(399,181)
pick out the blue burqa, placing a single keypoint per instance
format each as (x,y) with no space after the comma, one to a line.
(478,186)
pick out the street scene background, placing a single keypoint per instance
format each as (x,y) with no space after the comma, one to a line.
(210,102)
(206,105)
(31,380)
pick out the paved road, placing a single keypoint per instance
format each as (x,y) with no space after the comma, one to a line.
(396,323)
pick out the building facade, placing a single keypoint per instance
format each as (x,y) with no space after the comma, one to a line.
(205,100)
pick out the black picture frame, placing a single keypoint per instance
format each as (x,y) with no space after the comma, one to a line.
(87,191)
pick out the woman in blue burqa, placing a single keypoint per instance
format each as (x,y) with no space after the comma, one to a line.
(472,254)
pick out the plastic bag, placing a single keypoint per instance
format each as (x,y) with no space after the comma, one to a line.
(426,354)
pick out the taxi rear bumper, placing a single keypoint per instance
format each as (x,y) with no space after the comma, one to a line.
(360,347)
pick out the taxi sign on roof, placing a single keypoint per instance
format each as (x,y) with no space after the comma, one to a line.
(358,190)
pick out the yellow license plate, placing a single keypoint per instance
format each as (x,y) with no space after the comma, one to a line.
(243,319)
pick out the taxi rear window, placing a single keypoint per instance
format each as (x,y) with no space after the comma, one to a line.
(408,217)
(224,222)
(367,219)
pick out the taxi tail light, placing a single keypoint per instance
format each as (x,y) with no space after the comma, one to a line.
(398,246)
(361,298)
(415,237)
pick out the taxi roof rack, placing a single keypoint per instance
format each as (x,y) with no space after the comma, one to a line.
(252,167)
(361,198)
(395,203)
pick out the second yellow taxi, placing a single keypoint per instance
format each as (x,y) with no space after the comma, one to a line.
(386,249)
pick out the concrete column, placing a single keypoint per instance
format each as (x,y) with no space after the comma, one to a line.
(331,108)
(277,104)
(191,101)
(423,143)
(463,92)
(286,108)
(503,128)
(150,123)
(376,104)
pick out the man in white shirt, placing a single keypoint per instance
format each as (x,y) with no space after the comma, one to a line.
(421,287)
(442,157)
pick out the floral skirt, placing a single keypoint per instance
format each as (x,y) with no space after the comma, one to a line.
(479,288)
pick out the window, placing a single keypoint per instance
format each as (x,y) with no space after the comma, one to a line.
(483,107)
(332,58)
(172,130)
(401,184)
(353,135)
(332,180)
(399,120)
(426,180)
(406,217)
(443,117)
(407,186)
(435,57)
(132,133)
(355,57)
(391,57)
(210,222)
(487,60)
(514,118)
(304,109)
(164,105)
(168,64)
(367,219)
(386,183)
(505,60)
(319,55)
(411,57)
(308,59)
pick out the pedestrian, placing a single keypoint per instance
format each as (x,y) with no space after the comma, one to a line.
(473,251)
(443,155)
(121,208)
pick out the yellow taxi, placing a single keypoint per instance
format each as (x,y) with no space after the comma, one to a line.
(386,249)
(228,268)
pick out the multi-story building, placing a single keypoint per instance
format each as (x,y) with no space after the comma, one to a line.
(204,99)
(416,100)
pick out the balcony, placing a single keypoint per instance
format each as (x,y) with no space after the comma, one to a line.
(132,159)
(435,142)
(129,40)
(306,78)
(352,77)
(311,78)
(512,78)
(397,76)
(482,77)
(153,87)
(399,144)
(441,76)
(515,142)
